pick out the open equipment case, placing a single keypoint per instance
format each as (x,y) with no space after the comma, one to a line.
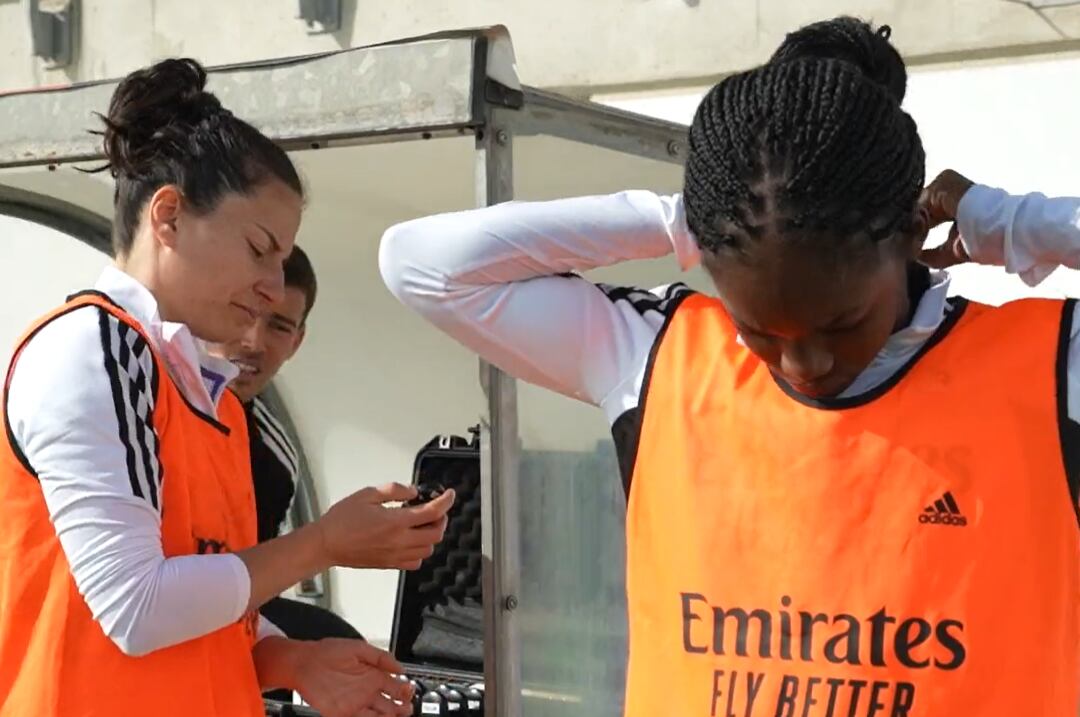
(438,627)
(383,134)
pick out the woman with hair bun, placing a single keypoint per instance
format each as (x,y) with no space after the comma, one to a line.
(130,577)
(850,494)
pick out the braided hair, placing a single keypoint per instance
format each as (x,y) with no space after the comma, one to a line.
(811,146)
(163,127)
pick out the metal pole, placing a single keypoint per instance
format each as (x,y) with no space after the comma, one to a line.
(499,464)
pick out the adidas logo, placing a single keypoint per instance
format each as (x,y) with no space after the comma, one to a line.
(944,511)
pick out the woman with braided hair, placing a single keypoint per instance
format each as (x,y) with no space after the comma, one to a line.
(848,493)
(130,577)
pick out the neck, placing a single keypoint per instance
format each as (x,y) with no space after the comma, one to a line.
(918,282)
(143,269)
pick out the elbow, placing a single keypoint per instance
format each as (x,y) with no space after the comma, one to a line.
(395,259)
(408,268)
(134,643)
(136,633)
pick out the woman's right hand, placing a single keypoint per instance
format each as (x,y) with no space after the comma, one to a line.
(362,531)
(338,677)
(350,678)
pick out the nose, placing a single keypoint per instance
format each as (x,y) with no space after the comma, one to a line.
(271,284)
(252,339)
(805,361)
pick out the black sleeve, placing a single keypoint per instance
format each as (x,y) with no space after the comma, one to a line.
(273,468)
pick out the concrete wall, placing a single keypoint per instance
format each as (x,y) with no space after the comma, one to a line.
(578,45)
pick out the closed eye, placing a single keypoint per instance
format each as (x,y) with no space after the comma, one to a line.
(281,328)
(845,327)
(748,333)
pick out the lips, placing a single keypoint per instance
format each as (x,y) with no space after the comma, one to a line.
(819,389)
(811,390)
(252,313)
(246,369)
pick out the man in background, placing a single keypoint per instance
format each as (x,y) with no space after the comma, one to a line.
(275,462)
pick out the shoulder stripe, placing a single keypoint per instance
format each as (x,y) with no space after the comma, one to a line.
(275,437)
(275,448)
(643,300)
(130,367)
(271,423)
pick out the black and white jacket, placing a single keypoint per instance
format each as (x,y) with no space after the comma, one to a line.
(275,467)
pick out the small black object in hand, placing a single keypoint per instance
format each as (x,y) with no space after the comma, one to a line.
(427,494)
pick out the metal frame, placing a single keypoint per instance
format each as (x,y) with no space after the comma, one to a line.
(498,462)
(449,84)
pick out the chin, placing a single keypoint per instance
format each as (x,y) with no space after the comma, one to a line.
(216,335)
(243,391)
(821,389)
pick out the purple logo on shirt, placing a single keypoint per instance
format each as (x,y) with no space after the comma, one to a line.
(215,383)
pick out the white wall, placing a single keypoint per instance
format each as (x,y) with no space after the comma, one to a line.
(39,267)
(560,43)
(1012,126)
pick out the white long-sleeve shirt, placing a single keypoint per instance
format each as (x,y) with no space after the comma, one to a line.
(99,476)
(494,279)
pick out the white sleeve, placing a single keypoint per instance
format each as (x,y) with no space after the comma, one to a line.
(267,629)
(1030,235)
(499,281)
(78,406)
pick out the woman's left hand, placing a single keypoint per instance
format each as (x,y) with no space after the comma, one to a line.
(343,678)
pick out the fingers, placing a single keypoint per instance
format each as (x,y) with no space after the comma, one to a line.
(425,534)
(395,688)
(384,706)
(950,253)
(430,512)
(380,659)
(933,217)
(390,703)
(421,552)
(941,198)
(391,493)
(409,560)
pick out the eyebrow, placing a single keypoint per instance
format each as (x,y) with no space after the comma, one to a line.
(851,316)
(273,239)
(283,318)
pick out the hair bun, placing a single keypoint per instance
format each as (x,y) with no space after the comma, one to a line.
(851,40)
(153,109)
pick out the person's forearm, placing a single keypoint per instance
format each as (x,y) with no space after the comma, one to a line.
(277,564)
(1030,235)
(523,240)
(494,280)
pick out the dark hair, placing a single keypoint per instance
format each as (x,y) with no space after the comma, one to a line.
(163,128)
(300,274)
(812,145)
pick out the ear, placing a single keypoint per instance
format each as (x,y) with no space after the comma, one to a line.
(920,229)
(163,213)
(298,340)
